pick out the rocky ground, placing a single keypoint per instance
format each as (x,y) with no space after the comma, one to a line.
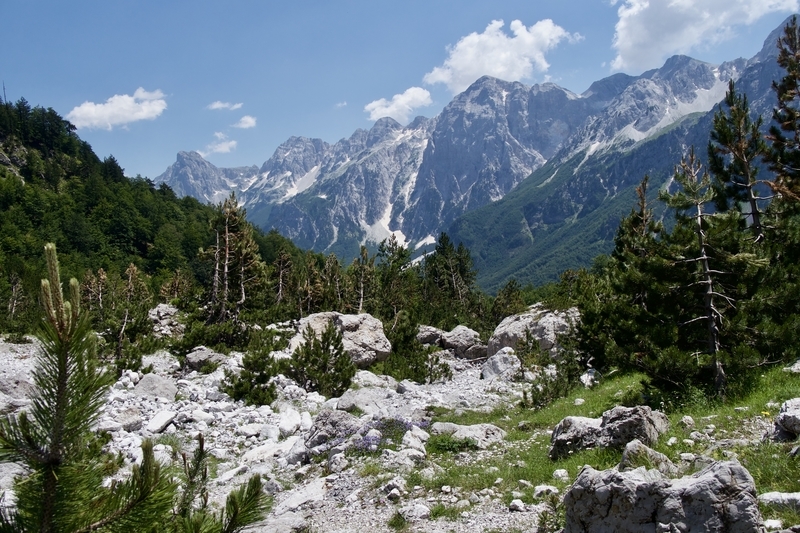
(172,405)
(327,462)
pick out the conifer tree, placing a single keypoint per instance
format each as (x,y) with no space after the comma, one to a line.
(192,513)
(397,280)
(734,151)
(705,248)
(361,275)
(237,265)
(784,135)
(625,313)
(321,364)
(64,490)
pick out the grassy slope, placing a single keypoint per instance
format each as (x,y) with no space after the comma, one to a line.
(523,456)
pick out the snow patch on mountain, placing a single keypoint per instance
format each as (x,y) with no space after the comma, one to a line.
(303,183)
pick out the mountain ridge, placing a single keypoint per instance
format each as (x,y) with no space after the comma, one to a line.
(431,175)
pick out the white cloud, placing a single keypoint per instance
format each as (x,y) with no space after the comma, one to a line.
(119,110)
(400,106)
(495,53)
(649,31)
(222,146)
(340,105)
(224,105)
(246,122)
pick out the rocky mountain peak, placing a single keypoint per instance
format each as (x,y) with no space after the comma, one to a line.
(382,128)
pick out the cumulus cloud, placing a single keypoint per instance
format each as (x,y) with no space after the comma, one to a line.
(119,110)
(649,31)
(223,145)
(246,122)
(400,106)
(224,105)
(495,53)
(340,105)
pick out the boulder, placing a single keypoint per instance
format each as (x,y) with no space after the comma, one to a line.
(369,400)
(155,386)
(160,421)
(483,435)
(430,335)
(165,321)
(794,369)
(415,511)
(722,497)
(788,418)
(270,451)
(15,382)
(290,421)
(788,500)
(616,428)
(130,419)
(543,325)
(362,336)
(637,454)
(503,365)
(309,494)
(460,340)
(204,357)
(330,429)
(365,378)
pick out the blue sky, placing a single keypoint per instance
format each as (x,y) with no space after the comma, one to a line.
(144,80)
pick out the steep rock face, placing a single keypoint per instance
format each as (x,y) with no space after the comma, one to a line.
(361,188)
(487,140)
(654,101)
(410,180)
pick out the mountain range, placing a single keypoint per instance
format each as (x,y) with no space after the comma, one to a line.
(532,179)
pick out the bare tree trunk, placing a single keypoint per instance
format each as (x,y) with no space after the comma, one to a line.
(711,312)
(215,285)
(225,270)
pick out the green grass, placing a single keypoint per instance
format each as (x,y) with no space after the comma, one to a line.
(447,512)
(524,452)
(397,522)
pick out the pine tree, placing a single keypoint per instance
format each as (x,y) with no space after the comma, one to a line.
(192,513)
(321,364)
(64,490)
(784,153)
(397,279)
(707,261)
(625,307)
(237,265)
(361,275)
(735,148)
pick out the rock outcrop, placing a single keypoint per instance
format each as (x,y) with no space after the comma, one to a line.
(362,335)
(616,428)
(540,324)
(787,422)
(721,497)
